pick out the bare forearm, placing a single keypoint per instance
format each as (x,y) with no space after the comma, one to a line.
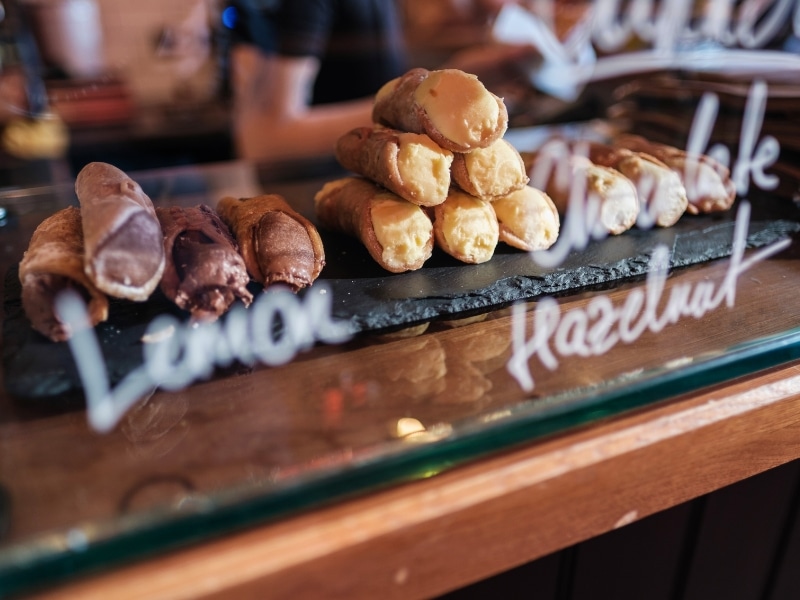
(310,133)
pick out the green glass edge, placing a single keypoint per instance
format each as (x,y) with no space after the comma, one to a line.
(413,463)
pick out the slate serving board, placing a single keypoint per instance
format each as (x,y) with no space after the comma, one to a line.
(372,300)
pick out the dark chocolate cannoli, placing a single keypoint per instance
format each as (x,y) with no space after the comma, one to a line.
(54,262)
(278,244)
(204,273)
(123,242)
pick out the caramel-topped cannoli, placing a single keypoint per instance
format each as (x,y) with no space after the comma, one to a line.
(572,180)
(453,107)
(466,227)
(204,273)
(528,219)
(661,192)
(707,181)
(122,237)
(490,172)
(396,233)
(278,244)
(54,262)
(409,164)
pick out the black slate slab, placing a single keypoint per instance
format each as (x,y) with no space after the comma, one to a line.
(370,299)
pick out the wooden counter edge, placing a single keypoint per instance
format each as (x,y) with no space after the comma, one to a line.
(428,537)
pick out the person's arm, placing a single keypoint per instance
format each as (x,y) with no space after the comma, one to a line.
(273,118)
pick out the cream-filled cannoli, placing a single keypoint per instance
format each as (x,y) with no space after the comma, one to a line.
(528,219)
(396,233)
(466,227)
(490,172)
(409,164)
(204,272)
(124,253)
(602,193)
(661,192)
(52,263)
(452,107)
(708,184)
(278,244)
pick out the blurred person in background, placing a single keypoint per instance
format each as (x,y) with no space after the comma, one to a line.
(304,72)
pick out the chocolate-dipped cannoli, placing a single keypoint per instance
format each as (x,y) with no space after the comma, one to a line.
(565,176)
(709,187)
(54,262)
(490,172)
(409,164)
(396,233)
(466,227)
(204,273)
(278,244)
(453,107)
(123,243)
(528,219)
(662,195)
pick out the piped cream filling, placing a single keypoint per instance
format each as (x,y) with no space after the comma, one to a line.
(459,106)
(530,215)
(402,229)
(424,168)
(496,169)
(469,227)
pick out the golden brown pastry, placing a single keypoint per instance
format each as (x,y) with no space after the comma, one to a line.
(278,244)
(528,219)
(452,107)
(466,227)
(396,233)
(52,263)
(661,193)
(124,253)
(708,184)
(409,164)
(490,172)
(204,273)
(564,175)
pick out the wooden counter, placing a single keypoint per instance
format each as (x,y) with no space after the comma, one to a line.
(428,537)
(493,477)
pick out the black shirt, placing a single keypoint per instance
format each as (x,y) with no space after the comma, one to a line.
(358,42)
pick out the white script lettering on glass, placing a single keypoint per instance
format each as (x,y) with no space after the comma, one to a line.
(581,224)
(594,330)
(272,332)
(669,25)
(680,33)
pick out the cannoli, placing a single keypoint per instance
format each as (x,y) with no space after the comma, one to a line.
(707,181)
(122,237)
(397,234)
(661,192)
(278,244)
(466,227)
(528,219)
(54,262)
(602,193)
(451,106)
(409,164)
(204,273)
(490,172)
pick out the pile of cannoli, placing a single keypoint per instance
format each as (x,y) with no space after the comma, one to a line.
(635,181)
(116,244)
(434,169)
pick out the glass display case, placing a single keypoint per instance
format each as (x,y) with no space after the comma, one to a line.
(425,371)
